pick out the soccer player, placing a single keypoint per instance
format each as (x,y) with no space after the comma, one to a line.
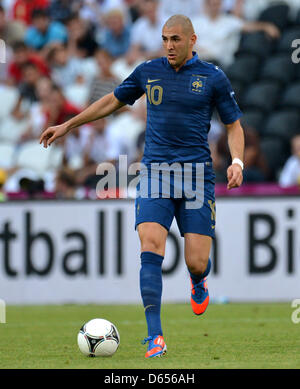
(182,92)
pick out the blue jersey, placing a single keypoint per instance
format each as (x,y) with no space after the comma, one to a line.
(179,107)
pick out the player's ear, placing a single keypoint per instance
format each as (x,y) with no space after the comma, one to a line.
(193,39)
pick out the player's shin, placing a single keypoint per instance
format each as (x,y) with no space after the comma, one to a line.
(151,290)
(199,291)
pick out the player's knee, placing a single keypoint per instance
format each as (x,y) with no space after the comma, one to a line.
(153,245)
(197,265)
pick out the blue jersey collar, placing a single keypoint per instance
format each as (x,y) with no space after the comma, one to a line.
(192,60)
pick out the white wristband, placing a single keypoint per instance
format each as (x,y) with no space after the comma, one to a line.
(239,162)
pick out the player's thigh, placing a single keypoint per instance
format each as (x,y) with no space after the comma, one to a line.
(196,251)
(153,218)
(198,214)
(153,237)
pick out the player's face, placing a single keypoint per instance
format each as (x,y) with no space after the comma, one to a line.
(178,45)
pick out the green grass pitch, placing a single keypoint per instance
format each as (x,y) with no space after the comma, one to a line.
(226,336)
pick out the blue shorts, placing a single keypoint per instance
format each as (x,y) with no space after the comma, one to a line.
(193,214)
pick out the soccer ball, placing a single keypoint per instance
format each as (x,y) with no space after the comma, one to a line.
(98,337)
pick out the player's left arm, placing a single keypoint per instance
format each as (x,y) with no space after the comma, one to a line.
(236,143)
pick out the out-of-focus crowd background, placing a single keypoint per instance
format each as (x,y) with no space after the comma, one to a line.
(60,56)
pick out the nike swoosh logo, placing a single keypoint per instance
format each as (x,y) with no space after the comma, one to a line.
(149,81)
(148,306)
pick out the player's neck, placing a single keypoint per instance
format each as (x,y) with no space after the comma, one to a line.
(177,68)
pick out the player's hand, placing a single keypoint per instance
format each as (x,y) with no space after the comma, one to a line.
(234,176)
(52,133)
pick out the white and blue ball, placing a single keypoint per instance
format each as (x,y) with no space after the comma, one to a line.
(98,337)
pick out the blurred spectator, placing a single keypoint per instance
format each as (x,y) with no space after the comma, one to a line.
(250,10)
(106,82)
(215,132)
(105,143)
(81,41)
(38,110)
(10,31)
(93,10)
(217,31)
(27,90)
(255,170)
(8,6)
(124,66)
(22,55)
(290,175)
(99,46)
(65,184)
(76,145)
(2,182)
(33,188)
(44,31)
(59,108)
(189,8)
(101,147)
(194,8)
(146,32)
(65,70)
(115,38)
(23,9)
(61,10)
(130,122)
(134,11)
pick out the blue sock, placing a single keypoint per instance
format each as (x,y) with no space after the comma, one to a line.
(196,278)
(151,290)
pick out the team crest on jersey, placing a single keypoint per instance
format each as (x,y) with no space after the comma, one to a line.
(197,84)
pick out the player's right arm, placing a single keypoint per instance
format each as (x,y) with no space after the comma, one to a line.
(99,109)
(230,114)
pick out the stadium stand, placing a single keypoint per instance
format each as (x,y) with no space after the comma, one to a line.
(262,95)
(298,73)
(9,97)
(278,68)
(284,44)
(244,69)
(275,153)
(290,97)
(7,151)
(257,44)
(270,97)
(253,118)
(265,80)
(297,20)
(283,124)
(238,88)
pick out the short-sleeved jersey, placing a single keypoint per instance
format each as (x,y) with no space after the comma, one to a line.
(179,107)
